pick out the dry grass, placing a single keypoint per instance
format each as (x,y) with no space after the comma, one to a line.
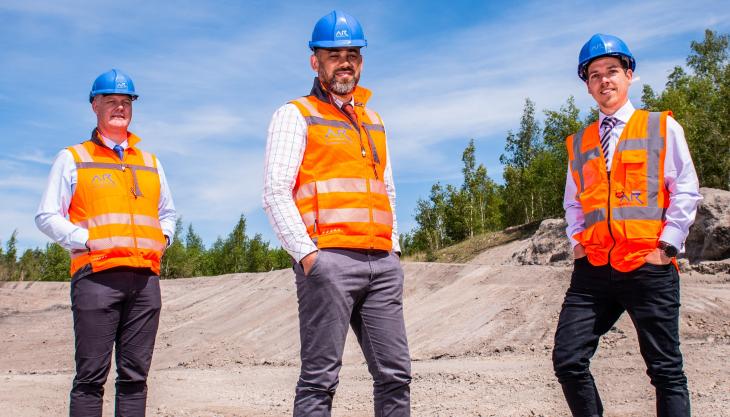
(465,251)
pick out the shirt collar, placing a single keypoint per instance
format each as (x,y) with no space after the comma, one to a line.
(339,102)
(623,114)
(360,96)
(111,144)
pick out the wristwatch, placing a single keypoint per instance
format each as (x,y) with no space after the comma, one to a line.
(668,249)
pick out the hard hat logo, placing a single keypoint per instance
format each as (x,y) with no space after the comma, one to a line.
(122,84)
(600,45)
(337,30)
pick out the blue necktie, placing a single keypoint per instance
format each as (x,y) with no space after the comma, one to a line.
(120,152)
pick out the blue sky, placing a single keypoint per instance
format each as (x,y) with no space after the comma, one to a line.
(211,73)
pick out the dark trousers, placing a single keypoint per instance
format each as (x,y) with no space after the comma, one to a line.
(115,307)
(595,300)
(364,290)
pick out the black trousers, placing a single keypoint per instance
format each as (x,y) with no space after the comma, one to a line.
(118,307)
(594,302)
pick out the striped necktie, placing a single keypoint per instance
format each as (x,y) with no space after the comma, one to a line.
(350,111)
(606,126)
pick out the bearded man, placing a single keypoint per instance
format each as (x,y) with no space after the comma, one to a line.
(329,195)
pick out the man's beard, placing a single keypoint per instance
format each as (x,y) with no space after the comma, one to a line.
(341,88)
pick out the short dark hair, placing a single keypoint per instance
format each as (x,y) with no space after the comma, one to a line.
(624,60)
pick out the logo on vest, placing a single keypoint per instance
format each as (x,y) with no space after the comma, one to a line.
(328,231)
(337,137)
(104,180)
(635,196)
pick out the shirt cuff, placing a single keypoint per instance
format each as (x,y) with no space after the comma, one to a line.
(298,256)
(78,239)
(573,242)
(674,237)
(396,244)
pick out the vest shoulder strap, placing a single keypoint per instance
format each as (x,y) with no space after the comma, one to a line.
(80,152)
(306,107)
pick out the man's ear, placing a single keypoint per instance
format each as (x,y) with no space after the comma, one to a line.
(93,104)
(314,62)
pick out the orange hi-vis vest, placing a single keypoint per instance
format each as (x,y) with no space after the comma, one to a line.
(118,203)
(624,213)
(339,191)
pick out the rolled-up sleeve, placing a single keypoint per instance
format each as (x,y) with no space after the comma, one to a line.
(285,144)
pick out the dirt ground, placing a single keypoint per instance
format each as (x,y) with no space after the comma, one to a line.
(480,336)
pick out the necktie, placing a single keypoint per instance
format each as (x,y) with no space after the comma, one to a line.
(350,111)
(606,126)
(120,152)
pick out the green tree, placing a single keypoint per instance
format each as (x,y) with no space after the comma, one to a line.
(520,192)
(430,214)
(257,255)
(481,195)
(174,260)
(30,265)
(521,148)
(196,258)
(280,259)
(234,249)
(55,264)
(10,258)
(457,214)
(700,101)
(216,255)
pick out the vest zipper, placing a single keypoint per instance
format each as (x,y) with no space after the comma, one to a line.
(363,152)
(608,219)
(131,212)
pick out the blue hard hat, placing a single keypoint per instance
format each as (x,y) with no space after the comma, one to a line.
(113,82)
(337,30)
(603,45)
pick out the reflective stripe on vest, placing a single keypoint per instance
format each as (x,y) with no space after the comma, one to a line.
(119,218)
(348,215)
(340,185)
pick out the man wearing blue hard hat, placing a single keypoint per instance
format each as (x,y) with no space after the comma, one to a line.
(108,203)
(330,197)
(631,195)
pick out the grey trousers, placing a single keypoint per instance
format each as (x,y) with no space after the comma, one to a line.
(118,307)
(362,289)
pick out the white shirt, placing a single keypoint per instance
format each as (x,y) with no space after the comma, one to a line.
(680,179)
(52,215)
(287,139)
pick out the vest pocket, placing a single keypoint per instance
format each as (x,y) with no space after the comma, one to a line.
(641,229)
(634,167)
